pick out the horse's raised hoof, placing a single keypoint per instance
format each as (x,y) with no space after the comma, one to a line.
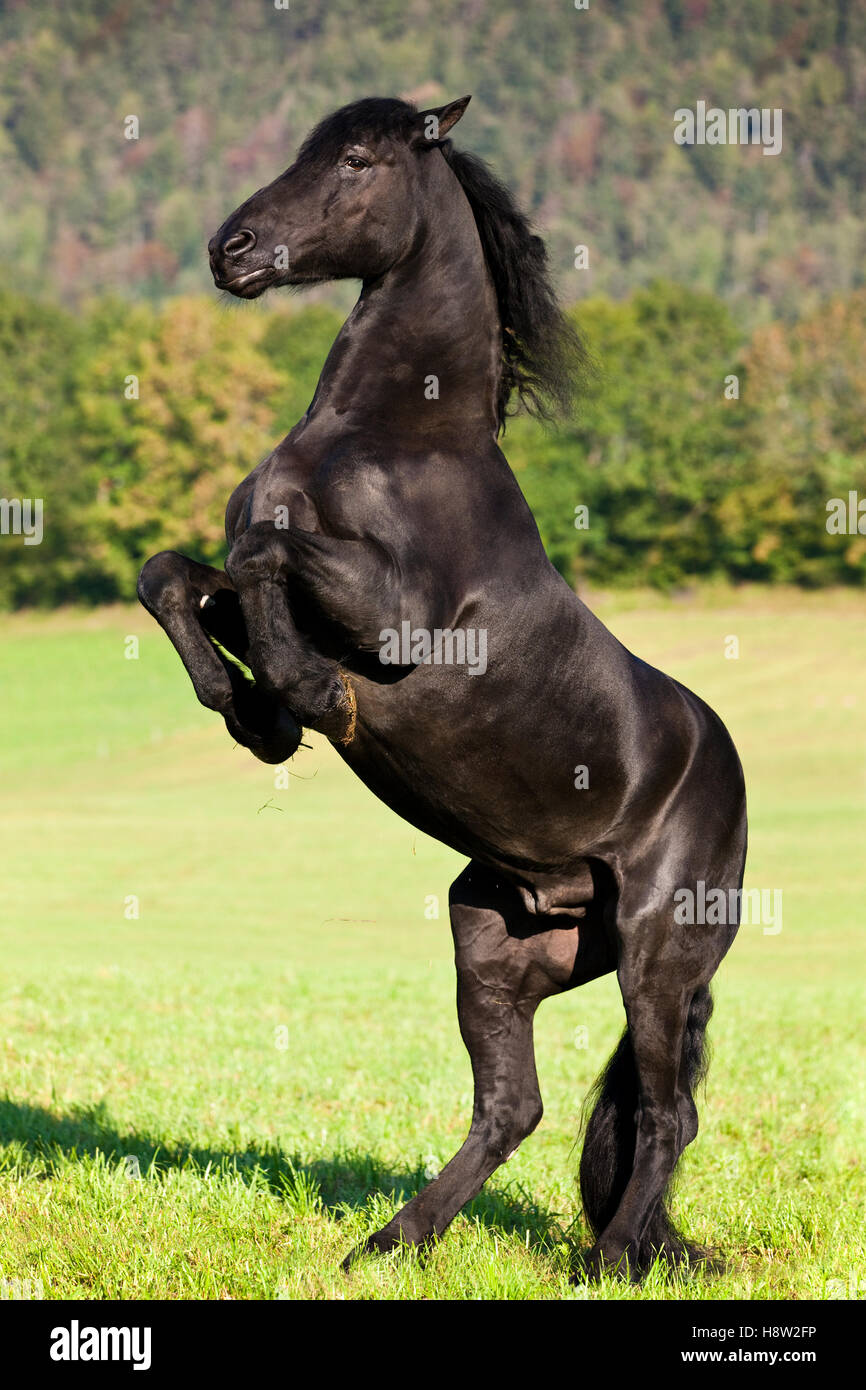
(282,742)
(259,723)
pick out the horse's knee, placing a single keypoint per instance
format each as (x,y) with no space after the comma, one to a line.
(160,577)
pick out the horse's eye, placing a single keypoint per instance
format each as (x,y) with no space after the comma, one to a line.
(354,162)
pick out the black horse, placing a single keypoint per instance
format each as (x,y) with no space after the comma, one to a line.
(389,517)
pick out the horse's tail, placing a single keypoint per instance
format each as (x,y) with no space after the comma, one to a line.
(609,1144)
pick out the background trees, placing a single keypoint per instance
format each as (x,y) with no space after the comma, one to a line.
(574,108)
(102,254)
(680,482)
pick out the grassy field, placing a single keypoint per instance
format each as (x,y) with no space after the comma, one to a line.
(228,1040)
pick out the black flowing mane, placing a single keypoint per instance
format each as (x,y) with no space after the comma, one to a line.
(543,358)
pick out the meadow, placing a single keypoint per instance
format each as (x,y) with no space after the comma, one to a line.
(228,1041)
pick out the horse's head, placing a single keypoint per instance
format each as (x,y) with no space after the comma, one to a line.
(348,208)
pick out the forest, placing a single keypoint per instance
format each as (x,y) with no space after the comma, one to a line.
(720,292)
(694,452)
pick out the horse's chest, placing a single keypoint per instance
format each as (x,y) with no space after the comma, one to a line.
(281,491)
(284,507)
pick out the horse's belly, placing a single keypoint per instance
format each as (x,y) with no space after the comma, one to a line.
(502,810)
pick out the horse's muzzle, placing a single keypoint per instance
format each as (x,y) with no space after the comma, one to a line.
(225,256)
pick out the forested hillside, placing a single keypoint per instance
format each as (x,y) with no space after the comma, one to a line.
(724,300)
(574,108)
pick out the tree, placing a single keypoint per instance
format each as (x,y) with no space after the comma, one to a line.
(162,463)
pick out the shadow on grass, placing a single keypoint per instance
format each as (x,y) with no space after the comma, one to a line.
(342,1183)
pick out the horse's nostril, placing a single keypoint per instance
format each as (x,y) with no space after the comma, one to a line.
(242,241)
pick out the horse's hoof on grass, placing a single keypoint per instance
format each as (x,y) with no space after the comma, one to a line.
(598,1264)
(681,1259)
(373,1245)
(684,1259)
(703,1259)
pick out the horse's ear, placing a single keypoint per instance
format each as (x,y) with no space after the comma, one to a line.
(435,124)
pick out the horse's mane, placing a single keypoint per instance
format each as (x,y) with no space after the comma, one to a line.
(543,358)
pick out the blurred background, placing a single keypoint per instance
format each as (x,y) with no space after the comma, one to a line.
(704,263)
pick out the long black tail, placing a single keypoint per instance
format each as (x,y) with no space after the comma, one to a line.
(609,1145)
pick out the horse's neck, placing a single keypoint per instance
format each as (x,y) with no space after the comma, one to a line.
(421,350)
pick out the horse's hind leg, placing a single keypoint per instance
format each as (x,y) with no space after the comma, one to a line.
(645,1114)
(661,1122)
(507,962)
(192,603)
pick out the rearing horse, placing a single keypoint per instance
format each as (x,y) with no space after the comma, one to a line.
(391,504)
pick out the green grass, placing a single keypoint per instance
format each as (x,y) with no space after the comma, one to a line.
(157,1141)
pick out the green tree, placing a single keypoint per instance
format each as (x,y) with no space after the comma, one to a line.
(652,449)
(162,464)
(41,349)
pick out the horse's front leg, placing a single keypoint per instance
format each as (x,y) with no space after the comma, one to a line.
(193,603)
(353,584)
(284,662)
